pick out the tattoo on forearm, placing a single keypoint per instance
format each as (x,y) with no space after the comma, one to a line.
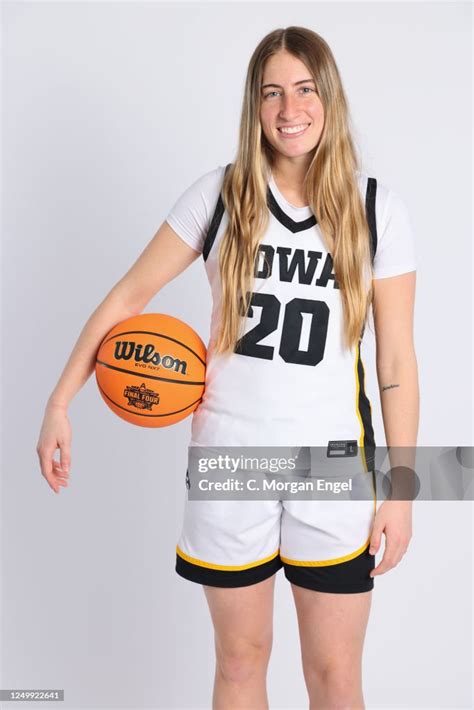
(388,387)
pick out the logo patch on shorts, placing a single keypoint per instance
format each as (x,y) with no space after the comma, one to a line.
(342,448)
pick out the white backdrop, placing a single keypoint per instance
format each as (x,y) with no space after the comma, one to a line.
(109,111)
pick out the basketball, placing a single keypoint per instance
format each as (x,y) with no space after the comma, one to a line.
(150,370)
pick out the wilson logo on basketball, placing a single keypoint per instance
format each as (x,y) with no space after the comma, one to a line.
(128,350)
(141,397)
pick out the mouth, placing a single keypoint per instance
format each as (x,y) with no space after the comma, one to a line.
(293,131)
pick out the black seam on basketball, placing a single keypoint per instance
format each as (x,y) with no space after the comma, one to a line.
(138,414)
(141,375)
(158,335)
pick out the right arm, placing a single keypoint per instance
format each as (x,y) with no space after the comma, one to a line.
(164,258)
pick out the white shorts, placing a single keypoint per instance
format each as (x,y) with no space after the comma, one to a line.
(321,544)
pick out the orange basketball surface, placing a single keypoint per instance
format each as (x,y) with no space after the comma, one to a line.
(150,369)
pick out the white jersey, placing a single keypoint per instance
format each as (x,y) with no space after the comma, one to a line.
(290,381)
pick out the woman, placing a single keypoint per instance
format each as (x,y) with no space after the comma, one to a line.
(291,297)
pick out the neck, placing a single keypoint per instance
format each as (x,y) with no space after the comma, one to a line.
(290,173)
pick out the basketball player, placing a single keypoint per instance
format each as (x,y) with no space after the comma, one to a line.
(291,233)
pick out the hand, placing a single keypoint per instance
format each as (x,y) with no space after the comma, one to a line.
(55,433)
(394,518)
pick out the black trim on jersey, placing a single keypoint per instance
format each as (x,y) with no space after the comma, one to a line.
(215,222)
(363,403)
(290,223)
(284,218)
(227,578)
(364,407)
(370,196)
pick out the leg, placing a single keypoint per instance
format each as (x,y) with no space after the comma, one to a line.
(243,624)
(231,548)
(324,547)
(332,631)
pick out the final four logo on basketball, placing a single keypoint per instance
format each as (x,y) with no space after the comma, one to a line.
(141,397)
(147,355)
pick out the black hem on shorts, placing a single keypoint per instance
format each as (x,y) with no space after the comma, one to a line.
(227,578)
(348,577)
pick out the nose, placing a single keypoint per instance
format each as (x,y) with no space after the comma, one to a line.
(289,108)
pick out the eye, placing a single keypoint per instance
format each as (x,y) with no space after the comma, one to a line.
(303,88)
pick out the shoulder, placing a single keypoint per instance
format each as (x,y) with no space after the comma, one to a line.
(395,244)
(388,202)
(191,214)
(382,190)
(209,184)
(201,194)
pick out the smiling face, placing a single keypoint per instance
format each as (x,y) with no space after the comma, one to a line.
(289,99)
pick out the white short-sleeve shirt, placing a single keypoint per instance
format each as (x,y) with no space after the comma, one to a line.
(290,382)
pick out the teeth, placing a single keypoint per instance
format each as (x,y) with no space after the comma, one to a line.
(294,129)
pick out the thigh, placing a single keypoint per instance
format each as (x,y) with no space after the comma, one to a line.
(332,627)
(242,616)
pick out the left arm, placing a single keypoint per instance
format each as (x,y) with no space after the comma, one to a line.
(397,373)
(397,370)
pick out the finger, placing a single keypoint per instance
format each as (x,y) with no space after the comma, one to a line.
(389,560)
(59,471)
(53,482)
(375,539)
(65,456)
(383,566)
(60,478)
(46,464)
(389,556)
(46,460)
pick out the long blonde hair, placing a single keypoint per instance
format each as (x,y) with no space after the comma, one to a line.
(331,188)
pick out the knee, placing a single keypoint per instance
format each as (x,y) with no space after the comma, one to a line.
(240,659)
(339,683)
